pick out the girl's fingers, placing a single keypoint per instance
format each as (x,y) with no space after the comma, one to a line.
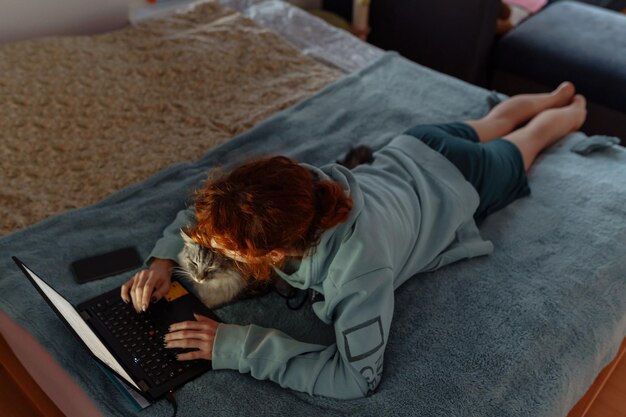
(196,354)
(191,324)
(204,346)
(189,334)
(134,287)
(200,317)
(147,291)
(125,288)
(143,287)
(137,289)
(188,344)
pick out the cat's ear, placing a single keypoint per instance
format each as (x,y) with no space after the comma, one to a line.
(186,237)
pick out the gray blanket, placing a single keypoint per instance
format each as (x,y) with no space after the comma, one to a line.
(522,332)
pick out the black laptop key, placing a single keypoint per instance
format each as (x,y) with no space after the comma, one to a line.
(153,374)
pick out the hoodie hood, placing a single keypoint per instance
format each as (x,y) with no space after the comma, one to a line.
(316,262)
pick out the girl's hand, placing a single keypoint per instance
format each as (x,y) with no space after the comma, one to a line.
(198,334)
(148,284)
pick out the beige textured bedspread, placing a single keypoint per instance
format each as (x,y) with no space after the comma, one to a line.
(81,117)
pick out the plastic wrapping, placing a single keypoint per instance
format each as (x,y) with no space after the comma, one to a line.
(311,35)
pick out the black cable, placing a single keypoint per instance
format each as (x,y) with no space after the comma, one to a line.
(172,400)
(293,293)
(297,306)
(308,295)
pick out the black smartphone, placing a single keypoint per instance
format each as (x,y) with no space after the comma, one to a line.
(105,264)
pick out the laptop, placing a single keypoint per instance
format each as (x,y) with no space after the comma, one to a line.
(128,343)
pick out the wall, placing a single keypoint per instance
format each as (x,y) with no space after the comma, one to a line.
(23,19)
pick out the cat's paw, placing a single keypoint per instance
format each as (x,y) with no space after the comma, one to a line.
(356,156)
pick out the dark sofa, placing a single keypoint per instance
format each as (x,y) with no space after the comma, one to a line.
(565,41)
(570,40)
(452,36)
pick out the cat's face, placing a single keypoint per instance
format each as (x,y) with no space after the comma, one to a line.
(198,262)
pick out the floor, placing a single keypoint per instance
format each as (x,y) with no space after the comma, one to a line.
(607,395)
(611,402)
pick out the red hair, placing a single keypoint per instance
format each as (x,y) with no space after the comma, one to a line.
(266,204)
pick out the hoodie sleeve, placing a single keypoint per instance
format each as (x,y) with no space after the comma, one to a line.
(352,367)
(170,245)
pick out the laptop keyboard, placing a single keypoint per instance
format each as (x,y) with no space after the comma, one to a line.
(141,338)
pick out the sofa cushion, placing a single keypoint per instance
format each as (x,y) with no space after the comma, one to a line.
(571,41)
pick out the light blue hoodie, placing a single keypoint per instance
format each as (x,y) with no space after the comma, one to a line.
(412,212)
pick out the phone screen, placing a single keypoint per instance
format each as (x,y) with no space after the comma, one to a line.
(106,264)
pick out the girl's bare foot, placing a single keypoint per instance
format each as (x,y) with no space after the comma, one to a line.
(510,114)
(547,128)
(562,95)
(579,111)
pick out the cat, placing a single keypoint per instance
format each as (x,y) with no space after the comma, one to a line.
(216,280)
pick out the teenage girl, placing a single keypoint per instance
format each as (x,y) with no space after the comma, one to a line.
(354,236)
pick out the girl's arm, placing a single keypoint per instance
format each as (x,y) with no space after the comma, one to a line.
(169,246)
(350,368)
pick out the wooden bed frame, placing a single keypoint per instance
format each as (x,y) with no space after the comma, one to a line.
(20,395)
(607,395)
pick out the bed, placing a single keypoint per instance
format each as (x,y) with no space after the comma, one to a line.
(523,332)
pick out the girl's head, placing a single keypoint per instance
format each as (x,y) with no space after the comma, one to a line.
(266,209)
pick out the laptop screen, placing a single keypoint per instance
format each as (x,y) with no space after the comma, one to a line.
(81,328)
